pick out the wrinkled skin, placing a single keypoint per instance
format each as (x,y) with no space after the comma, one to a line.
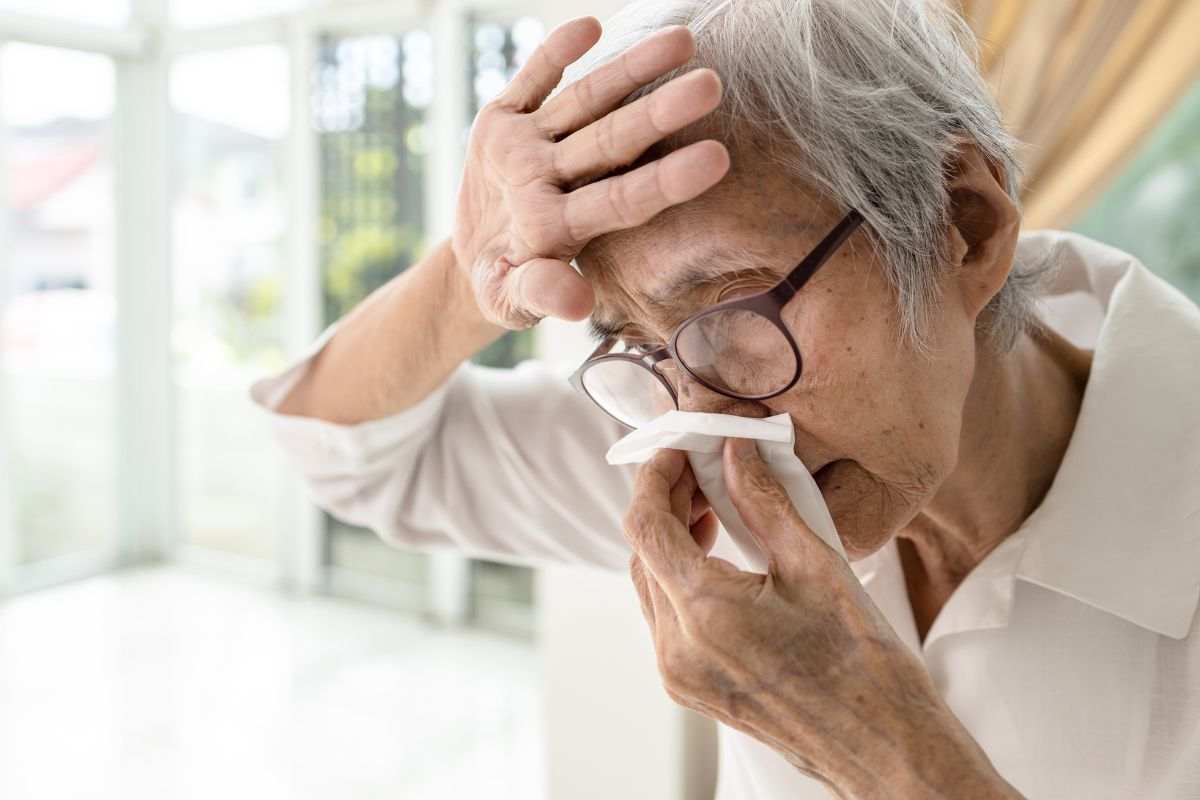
(518,205)
(799,658)
(876,422)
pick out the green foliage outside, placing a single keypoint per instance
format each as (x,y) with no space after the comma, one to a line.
(371,207)
(249,319)
(511,349)
(373,212)
(1152,210)
(363,258)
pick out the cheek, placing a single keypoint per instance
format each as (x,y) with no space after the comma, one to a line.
(868,387)
(894,414)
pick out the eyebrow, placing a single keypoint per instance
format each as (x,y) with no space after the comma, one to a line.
(693,280)
(696,275)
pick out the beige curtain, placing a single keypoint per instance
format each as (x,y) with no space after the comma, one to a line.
(1082,82)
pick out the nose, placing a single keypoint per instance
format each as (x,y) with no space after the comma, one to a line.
(695,396)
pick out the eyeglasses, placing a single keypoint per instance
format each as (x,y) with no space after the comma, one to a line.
(740,348)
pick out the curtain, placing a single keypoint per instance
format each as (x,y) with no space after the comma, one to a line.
(1081,83)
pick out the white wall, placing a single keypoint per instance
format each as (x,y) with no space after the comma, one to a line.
(611,731)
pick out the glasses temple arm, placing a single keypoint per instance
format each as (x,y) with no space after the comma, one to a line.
(821,253)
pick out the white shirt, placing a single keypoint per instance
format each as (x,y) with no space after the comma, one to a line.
(1070,652)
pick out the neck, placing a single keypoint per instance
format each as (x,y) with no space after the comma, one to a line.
(1018,420)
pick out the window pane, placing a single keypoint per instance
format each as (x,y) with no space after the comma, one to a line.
(369,107)
(1150,210)
(110,13)
(57,333)
(228,222)
(369,110)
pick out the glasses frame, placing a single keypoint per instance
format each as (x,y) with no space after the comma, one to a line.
(768,304)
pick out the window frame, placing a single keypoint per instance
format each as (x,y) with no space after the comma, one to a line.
(148,529)
(124,47)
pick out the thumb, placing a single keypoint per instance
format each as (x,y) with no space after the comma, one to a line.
(765,508)
(546,287)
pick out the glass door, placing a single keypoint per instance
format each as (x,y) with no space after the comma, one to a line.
(370,100)
(229,220)
(57,306)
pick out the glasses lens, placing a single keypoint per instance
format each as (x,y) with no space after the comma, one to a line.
(738,351)
(627,391)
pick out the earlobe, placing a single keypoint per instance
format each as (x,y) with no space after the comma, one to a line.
(984,223)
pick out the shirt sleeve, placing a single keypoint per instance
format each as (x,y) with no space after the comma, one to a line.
(505,464)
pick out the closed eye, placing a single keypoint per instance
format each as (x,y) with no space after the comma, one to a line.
(601,330)
(627,335)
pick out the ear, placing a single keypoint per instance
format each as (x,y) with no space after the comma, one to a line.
(984,223)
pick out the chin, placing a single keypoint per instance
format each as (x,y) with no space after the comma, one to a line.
(867,514)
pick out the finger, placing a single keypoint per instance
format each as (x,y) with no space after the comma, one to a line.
(654,532)
(666,619)
(682,493)
(704,531)
(617,139)
(637,572)
(563,46)
(767,511)
(633,199)
(594,95)
(545,287)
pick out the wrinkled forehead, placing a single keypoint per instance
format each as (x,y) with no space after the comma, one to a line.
(650,273)
(648,259)
(641,274)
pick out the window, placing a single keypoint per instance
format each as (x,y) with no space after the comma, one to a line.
(370,103)
(1151,209)
(237,306)
(369,107)
(57,314)
(228,226)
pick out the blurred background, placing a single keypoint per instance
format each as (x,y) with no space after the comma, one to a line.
(190,191)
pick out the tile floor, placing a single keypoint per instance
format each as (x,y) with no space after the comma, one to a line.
(163,684)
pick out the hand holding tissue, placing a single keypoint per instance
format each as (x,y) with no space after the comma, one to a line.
(703,436)
(790,650)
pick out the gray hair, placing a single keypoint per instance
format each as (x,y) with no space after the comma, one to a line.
(870,99)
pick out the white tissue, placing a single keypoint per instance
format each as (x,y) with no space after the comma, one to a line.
(703,437)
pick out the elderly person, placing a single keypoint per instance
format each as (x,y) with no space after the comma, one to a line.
(1015,483)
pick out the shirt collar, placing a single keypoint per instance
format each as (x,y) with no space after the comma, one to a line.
(1120,527)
